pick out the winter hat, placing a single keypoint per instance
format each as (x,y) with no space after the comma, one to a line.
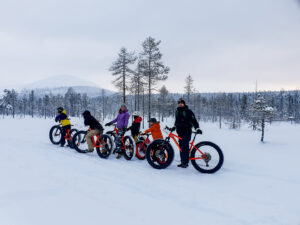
(181,101)
(86,113)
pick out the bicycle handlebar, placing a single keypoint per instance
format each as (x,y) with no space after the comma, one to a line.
(170,129)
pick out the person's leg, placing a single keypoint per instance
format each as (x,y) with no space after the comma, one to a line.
(135,138)
(119,142)
(63,135)
(89,138)
(185,145)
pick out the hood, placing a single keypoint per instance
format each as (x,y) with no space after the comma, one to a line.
(86,113)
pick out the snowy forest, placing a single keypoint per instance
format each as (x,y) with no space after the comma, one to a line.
(137,77)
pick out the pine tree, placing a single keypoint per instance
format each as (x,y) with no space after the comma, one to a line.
(153,68)
(31,102)
(262,112)
(188,88)
(163,93)
(122,71)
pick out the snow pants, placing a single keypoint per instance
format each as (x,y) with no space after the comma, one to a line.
(64,132)
(185,145)
(89,138)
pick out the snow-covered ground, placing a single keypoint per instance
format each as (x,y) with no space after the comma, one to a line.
(45,184)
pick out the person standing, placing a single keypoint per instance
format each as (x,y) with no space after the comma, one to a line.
(122,123)
(95,128)
(185,120)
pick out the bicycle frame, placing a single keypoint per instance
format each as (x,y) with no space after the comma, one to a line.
(146,141)
(95,142)
(117,132)
(173,136)
(68,136)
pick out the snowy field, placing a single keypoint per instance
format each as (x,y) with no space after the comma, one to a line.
(44,184)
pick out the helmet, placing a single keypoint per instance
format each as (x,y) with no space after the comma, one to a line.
(60,109)
(136,113)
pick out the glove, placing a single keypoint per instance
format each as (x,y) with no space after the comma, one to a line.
(173,129)
(129,128)
(198,131)
(107,124)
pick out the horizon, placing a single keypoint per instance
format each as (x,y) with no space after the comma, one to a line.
(25,87)
(224,46)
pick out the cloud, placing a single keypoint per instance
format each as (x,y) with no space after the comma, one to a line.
(225,45)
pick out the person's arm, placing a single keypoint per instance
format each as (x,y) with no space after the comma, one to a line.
(86,121)
(113,121)
(194,120)
(60,117)
(149,130)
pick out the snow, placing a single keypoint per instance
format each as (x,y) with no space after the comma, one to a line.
(45,184)
(269,109)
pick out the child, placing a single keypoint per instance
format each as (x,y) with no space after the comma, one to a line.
(95,126)
(154,129)
(65,122)
(136,125)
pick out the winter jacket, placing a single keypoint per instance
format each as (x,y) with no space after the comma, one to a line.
(185,120)
(155,131)
(63,118)
(136,125)
(90,121)
(121,119)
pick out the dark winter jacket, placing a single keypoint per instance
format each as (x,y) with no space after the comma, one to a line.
(185,120)
(136,125)
(90,121)
(121,119)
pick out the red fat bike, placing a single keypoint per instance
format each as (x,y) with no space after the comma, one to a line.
(206,157)
(55,135)
(141,145)
(102,143)
(128,146)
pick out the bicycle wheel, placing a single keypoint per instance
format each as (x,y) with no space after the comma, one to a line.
(55,134)
(79,142)
(207,157)
(129,148)
(72,133)
(141,148)
(160,154)
(113,137)
(105,144)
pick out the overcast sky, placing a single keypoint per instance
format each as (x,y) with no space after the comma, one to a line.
(226,45)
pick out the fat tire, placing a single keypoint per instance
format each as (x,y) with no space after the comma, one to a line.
(50,134)
(170,152)
(83,133)
(100,154)
(217,148)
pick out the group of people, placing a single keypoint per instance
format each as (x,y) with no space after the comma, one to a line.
(185,120)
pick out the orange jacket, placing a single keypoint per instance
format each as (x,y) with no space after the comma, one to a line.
(155,131)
